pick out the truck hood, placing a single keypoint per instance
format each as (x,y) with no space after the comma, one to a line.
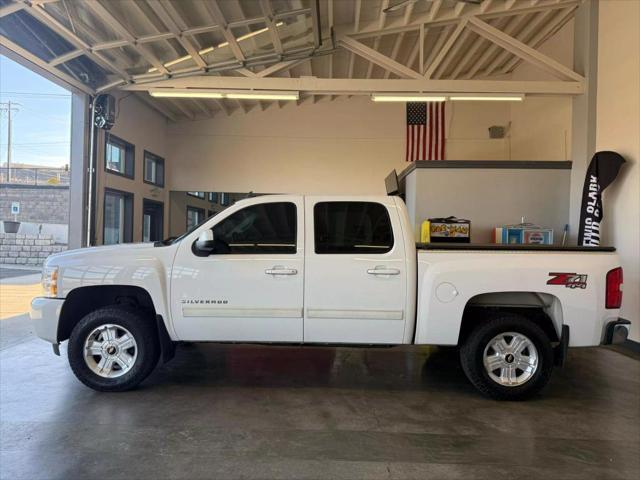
(111,252)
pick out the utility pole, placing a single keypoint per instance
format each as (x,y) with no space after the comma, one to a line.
(9,107)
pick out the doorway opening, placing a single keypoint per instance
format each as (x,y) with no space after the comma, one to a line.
(152,220)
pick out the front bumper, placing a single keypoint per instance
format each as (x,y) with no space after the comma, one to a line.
(45,313)
(616,332)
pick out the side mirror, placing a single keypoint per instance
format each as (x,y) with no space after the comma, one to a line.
(204,245)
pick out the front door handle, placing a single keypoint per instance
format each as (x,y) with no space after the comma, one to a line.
(278,270)
(383,271)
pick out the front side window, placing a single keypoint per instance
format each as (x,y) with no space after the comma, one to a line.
(352,227)
(153,169)
(119,156)
(195,216)
(118,217)
(264,228)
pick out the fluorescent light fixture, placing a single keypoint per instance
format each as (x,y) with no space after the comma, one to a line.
(263,95)
(185,93)
(410,97)
(211,49)
(231,94)
(487,98)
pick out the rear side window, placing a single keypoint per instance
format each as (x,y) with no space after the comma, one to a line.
(263,228)
(352,227)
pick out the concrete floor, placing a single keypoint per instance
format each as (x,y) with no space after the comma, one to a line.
(273,412)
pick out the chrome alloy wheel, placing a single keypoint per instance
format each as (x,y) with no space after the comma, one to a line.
(110,351)
(510,359)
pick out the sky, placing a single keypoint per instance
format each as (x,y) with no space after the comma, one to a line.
(42,127)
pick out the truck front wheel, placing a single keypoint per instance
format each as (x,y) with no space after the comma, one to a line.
(507,358)
(113,349)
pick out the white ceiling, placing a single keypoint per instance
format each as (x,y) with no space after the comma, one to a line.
(101,45)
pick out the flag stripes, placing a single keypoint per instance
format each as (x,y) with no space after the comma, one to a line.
(425,131)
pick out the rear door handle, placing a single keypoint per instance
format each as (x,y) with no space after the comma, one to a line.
(277,270)
(383,271)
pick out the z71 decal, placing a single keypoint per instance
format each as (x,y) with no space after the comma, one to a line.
(569,280)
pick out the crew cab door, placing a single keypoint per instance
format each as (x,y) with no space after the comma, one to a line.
(356,278)
(250,288)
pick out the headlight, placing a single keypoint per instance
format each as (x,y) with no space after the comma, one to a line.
(50,281)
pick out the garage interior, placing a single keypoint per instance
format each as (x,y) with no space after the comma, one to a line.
(218,99)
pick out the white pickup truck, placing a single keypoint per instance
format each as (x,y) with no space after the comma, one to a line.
(321,270)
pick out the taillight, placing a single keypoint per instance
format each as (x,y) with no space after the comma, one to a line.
(614,288)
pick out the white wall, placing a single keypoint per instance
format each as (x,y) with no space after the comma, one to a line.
(344,146)
(350,145)
(618,129)
(541,126)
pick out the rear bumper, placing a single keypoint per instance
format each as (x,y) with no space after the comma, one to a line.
(45,313)
(616,332)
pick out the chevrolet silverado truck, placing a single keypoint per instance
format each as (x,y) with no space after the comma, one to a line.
(315,270)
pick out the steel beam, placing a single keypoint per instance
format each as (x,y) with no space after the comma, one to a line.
(377,58)
(337,86)
(523,50)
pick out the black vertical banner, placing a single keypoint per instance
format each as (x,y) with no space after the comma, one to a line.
(602,171)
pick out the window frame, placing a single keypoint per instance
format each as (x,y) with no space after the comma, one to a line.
(294,248)
(128,222)
(199,209)
(357,252)
(159,160)
(129,155)
(195,195)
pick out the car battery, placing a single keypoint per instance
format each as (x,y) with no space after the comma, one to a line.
(450,229)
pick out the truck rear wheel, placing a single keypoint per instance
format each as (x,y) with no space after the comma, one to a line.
(113,349)
(507,358)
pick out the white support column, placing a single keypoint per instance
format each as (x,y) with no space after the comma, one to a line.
(583,119)
(78,169)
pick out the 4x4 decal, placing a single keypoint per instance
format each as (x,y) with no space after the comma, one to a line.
(569,280)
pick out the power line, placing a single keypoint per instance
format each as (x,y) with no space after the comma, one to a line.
(36,94)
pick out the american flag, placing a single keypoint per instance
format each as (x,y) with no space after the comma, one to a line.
(425,131)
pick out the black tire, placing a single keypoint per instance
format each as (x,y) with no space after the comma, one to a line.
(473,349)
(141,326)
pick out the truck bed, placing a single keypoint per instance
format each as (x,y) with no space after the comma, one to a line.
(511,247)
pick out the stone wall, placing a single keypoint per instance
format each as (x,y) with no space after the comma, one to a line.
(38,204)
(27,249)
